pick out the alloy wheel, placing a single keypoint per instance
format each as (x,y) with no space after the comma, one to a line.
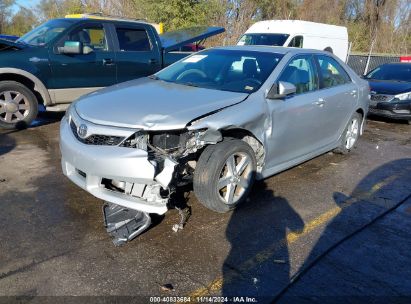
(235,177)
(14,106)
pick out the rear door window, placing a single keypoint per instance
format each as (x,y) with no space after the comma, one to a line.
(133,40)
(331,72)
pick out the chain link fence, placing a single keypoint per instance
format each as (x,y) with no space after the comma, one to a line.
(359,62)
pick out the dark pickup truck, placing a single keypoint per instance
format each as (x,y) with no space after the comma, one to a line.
(62,59)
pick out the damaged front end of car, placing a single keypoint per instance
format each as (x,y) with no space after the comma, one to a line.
(135,172)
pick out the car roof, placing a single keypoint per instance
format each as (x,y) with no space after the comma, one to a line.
(79,18)
(297,27)
(272,49)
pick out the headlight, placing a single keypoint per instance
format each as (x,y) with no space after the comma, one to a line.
(404,96)
(137,140)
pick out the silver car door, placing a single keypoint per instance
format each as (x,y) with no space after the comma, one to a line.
(339,93)
(297,121)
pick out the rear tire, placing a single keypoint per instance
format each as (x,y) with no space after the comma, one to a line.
(224,175)
(18,105)
(350,135)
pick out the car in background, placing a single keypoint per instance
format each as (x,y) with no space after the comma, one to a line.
(66,58)
(298,33)
(390,86)
(218,119)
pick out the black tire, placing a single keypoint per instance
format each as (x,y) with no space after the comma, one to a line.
(211,165)
(343,148)
(10,120)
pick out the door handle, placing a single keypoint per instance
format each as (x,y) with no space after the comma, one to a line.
(353,92)
(108,61)
(320,102)
(152,61)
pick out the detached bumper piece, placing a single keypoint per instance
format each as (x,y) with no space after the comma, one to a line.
(124,224)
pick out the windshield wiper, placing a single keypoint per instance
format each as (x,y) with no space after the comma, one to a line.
(153,77)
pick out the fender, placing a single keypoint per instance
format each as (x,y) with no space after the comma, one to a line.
(38,84)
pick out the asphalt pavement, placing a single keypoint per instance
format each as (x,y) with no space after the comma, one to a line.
(275,246)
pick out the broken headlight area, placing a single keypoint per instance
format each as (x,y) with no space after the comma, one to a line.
(138,141)
(173,153)
(176,143)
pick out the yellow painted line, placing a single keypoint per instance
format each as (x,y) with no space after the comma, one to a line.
(290,238)
(267,253)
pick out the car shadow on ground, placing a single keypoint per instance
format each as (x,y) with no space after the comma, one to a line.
(7,143)
(46,118)
(258,264)
(353,260)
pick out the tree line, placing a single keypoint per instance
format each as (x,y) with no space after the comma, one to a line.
(383,24)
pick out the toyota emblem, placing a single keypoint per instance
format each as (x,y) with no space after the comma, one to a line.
(82,131)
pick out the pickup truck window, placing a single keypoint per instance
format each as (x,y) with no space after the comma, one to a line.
(133,40)
(45,33)
(92,36)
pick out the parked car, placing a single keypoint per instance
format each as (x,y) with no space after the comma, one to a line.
(65,58)
(297,33)
(390,86)
(219,119)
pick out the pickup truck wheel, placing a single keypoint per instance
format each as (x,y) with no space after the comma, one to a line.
(350,135)
(224,175)
(18,105)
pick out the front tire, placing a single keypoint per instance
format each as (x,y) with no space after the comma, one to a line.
(224,175)
(350,135)
(18,105)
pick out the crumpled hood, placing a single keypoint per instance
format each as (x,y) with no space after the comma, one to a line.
(152,104)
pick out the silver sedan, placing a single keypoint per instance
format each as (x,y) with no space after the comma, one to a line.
(218,119)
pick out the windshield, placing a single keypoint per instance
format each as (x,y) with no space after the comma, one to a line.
(226,70)
(44,33)
(263,39)
(394,72)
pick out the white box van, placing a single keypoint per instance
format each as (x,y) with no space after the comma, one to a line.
(297,33)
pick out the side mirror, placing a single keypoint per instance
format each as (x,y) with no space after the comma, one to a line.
(280,90)
(71,48)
